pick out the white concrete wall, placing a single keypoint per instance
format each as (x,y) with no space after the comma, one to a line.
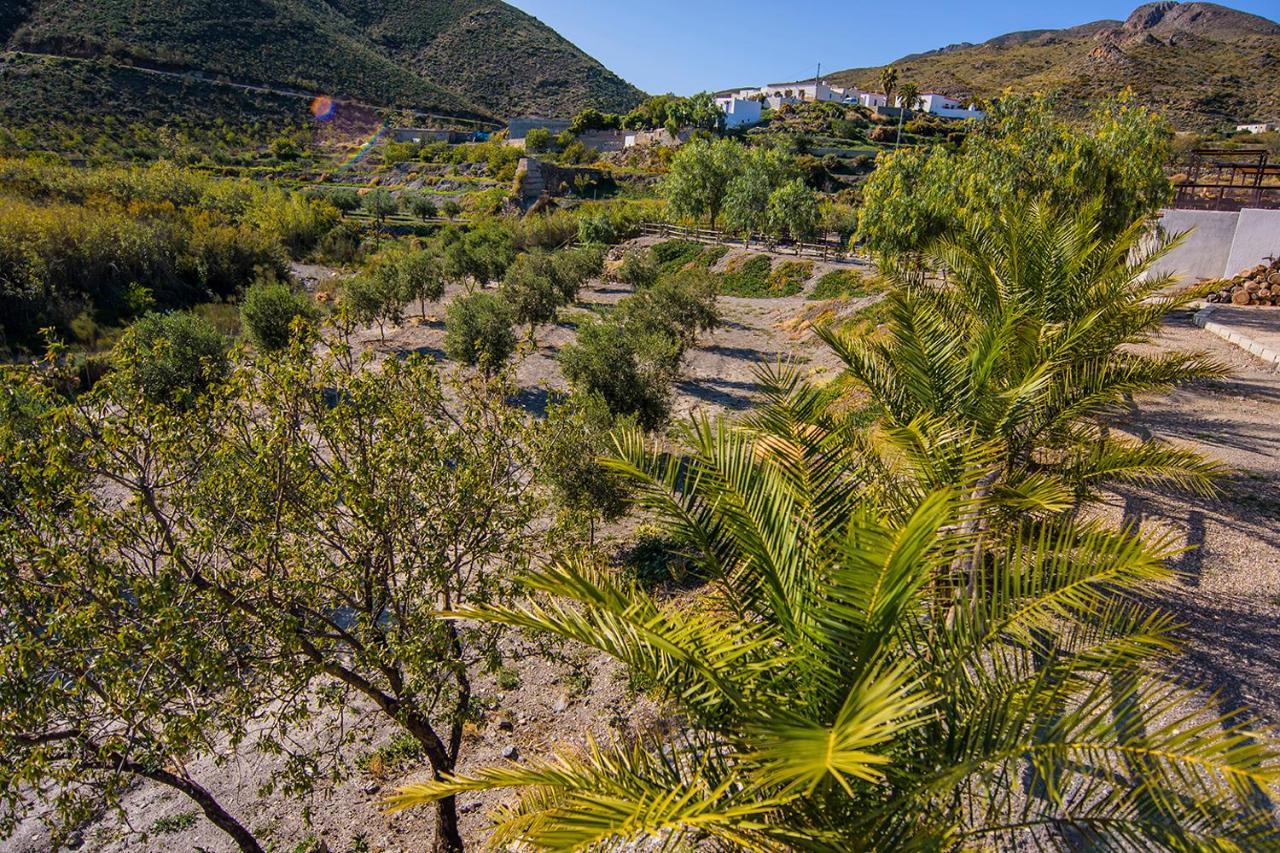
(1257,238)
(1204,251)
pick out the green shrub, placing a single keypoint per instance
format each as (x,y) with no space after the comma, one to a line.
(172,358)
(569,450)
(837,283)
(268,310)
(747,276)
(638,269)
(478,330)
(789,277)
(671,255)
(630,371)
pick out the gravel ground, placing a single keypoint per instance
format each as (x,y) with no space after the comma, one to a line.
(1228,594)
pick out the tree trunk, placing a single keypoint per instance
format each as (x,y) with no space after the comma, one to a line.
(212,809)
(448,836)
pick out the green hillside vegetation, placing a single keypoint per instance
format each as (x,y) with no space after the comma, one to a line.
(1201,64)
(474,59)
(502,59)
(269,42)
(91,109)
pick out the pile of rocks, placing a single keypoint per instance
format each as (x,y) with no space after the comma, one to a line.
(1257,286)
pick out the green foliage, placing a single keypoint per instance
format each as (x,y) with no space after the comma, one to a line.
(630,359)
(532,288)
(172,359)
(1033,343)
(747,275)
(268,311)
(638,269)
(380,204)
(113,243)
(577,434)
(423,206)
(748,196)
(478,330)
(789,277)
(174,823)
(793,211)
(481,254)
(631,373)
(164,613)
(1023,152)
(841,283)
(537,140)
(373,299)
(699,179)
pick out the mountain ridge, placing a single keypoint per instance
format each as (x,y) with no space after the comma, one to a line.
(1203,64)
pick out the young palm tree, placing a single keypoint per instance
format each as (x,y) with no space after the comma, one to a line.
(910,94)
(888,82)
(844,688)
(1034,340)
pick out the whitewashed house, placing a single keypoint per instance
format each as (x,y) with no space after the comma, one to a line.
(1262,127)
(940,105)
(873,100)
(739,112)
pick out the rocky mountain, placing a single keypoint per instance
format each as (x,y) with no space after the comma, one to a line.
(460,57)
(1204,65)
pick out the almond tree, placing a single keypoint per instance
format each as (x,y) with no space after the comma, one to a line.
(331,505)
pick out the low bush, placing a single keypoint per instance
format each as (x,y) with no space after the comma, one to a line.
(172,358)
(789,277)
(478,330)
(838,283)
(747,275)
(268,311)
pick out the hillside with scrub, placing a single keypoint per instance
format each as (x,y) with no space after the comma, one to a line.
(1203,65)
(476,59)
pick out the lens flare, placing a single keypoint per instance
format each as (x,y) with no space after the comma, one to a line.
(365,148)
(322,108)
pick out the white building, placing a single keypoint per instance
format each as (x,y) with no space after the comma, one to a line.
(1263,127)
(940,105)
(739,112)
(873,100)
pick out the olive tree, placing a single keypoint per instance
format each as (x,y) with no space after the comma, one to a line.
(268,311)
(291,537)
(477,330)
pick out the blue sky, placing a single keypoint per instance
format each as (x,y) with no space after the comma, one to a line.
(689,45)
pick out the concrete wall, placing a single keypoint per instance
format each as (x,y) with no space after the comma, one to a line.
(1204,252)
(1257,238)
(1219,243)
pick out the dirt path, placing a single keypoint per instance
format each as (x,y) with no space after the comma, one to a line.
(1229,593)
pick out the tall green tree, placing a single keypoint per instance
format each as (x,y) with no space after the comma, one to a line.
(1023,152)
(699,178)
(746,202)
(889,83)
(793,212)
(910,94)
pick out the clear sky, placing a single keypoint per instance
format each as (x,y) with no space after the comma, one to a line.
(686,46)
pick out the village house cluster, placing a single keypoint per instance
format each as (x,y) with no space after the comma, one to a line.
(743,107)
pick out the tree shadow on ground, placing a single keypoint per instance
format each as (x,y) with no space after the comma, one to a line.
(728,393)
